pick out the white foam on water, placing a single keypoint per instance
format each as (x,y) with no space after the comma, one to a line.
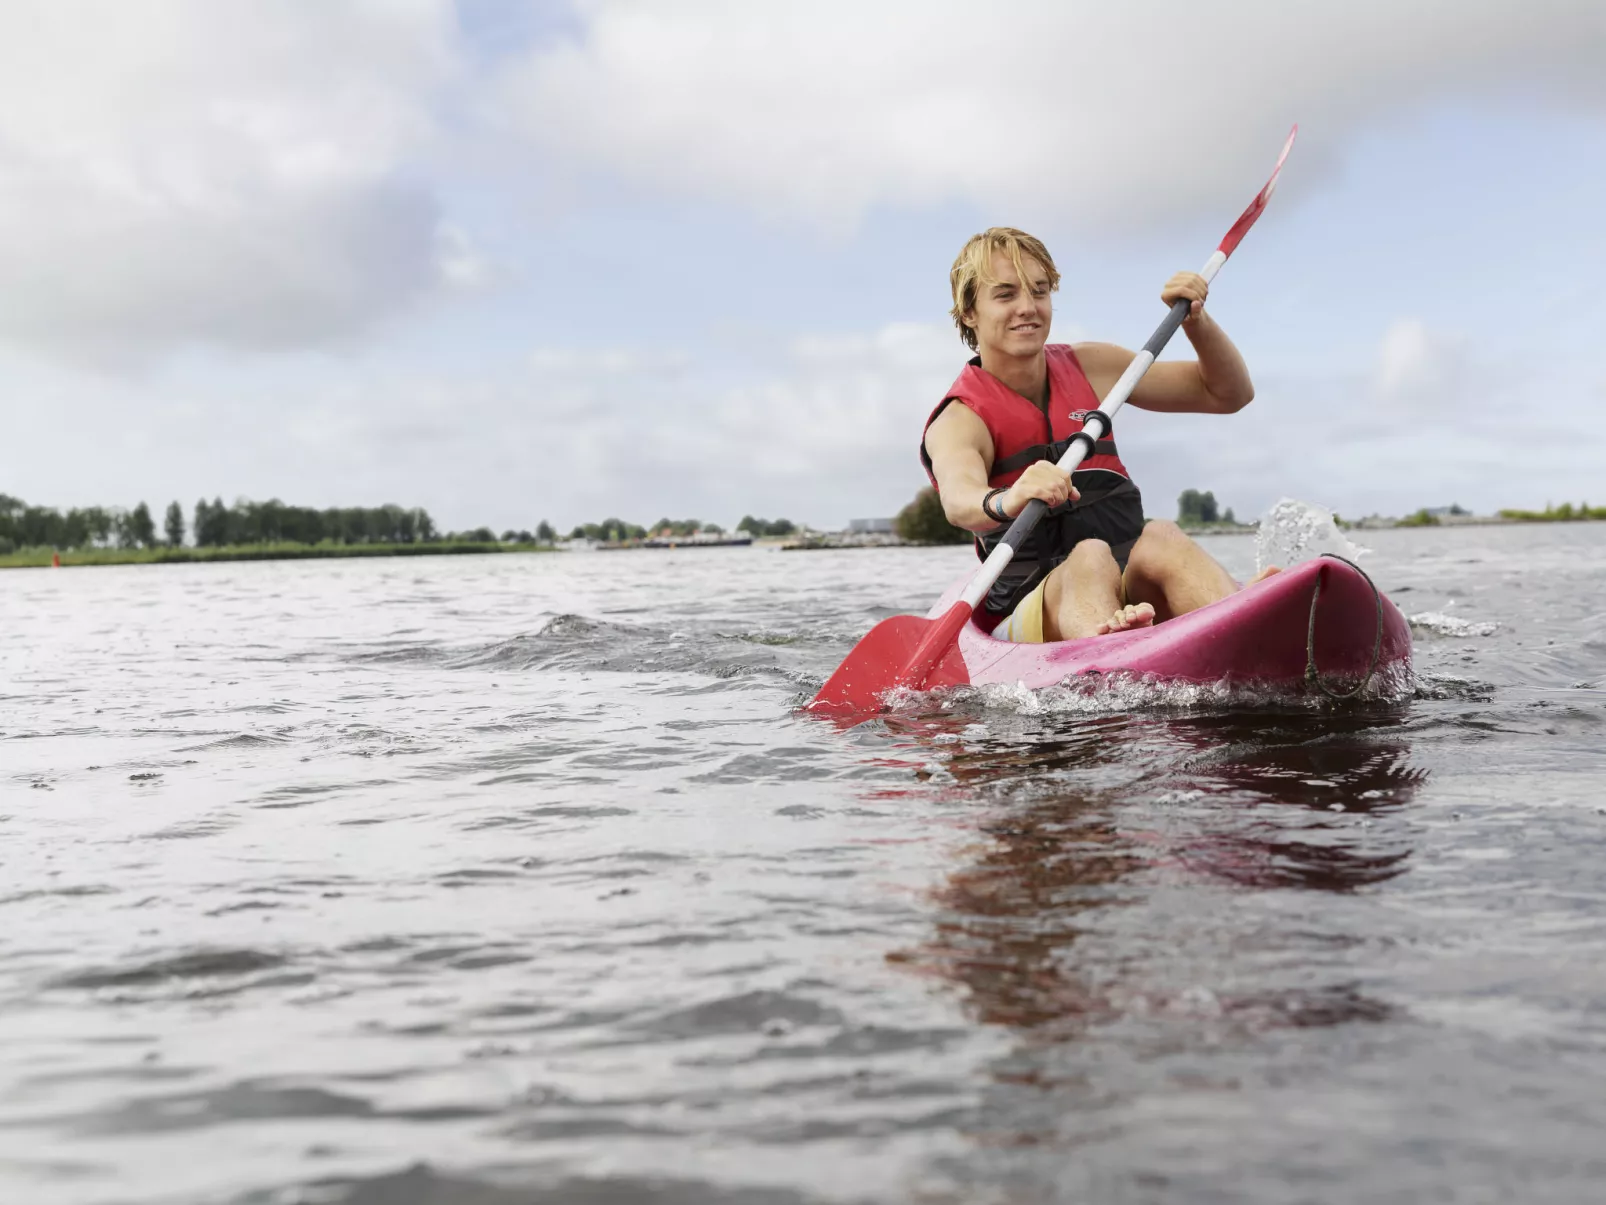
(1292,532)
(1095,694)
(1437,623)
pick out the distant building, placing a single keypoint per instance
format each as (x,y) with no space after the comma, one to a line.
(870,526)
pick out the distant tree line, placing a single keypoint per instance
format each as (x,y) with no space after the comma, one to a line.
(24,526)
(1565,513)
(609,531)
(684,527)
(273,522)
(543,534)
(214,525)
(764,527)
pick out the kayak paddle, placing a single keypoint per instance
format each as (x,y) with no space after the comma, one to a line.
(916,653)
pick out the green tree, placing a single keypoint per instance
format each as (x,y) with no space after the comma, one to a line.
(174,523)
(132,529)
(544,532)
(1194,508)
(97,525)
(141,527)
(72,531)
(923,521)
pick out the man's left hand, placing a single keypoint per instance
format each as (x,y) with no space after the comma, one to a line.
(1186,284)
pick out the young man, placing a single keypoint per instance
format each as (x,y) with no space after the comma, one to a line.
(1092,566)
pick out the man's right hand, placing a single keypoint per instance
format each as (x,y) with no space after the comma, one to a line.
(1045,480)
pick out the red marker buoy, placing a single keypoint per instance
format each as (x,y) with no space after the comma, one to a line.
(55,560)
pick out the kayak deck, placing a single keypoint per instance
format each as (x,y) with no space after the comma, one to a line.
(1262,634)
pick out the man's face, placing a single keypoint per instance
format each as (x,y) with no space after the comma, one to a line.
(1011,319)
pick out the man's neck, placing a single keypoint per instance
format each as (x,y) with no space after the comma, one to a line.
(1027,376)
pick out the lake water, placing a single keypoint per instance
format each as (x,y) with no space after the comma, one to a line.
(490,880)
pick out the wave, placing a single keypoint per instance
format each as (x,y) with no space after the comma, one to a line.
(196,964)
(575,643)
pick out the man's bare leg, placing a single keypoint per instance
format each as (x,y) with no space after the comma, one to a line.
(1083,596)
(1174,575)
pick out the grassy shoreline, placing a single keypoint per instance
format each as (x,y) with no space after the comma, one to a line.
(34,558)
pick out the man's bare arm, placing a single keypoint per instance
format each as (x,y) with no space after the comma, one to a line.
(1216,383)
(961,451)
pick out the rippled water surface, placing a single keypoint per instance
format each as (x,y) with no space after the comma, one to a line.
(508,879)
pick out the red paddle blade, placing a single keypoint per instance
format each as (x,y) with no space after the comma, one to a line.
(1258,205)
(902,651)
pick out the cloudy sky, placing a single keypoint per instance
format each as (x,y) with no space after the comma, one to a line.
(524,259)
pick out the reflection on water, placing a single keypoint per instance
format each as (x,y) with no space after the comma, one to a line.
(1259,804)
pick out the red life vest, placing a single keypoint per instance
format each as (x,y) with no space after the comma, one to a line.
(1022,434)
(1110,507)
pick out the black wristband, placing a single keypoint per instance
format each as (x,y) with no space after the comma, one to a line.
(997,516)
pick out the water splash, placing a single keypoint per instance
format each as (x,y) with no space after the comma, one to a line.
(1292,532)
(1102,694)
(1437,623)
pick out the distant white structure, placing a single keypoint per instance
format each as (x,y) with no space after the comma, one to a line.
(864,527)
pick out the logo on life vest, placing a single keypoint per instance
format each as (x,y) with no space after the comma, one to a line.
(1079,416)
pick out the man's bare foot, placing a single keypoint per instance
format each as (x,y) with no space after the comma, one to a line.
(1139,615)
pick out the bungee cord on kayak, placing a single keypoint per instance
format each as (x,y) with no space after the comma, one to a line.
(1311,674)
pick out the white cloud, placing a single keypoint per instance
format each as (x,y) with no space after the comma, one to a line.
(829,431)
(1109,112)
(208,171)
(255,175)
(1420,367)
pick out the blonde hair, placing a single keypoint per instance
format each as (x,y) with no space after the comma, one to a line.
(974,268)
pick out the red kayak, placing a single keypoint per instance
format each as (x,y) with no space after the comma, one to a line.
(1321,623)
